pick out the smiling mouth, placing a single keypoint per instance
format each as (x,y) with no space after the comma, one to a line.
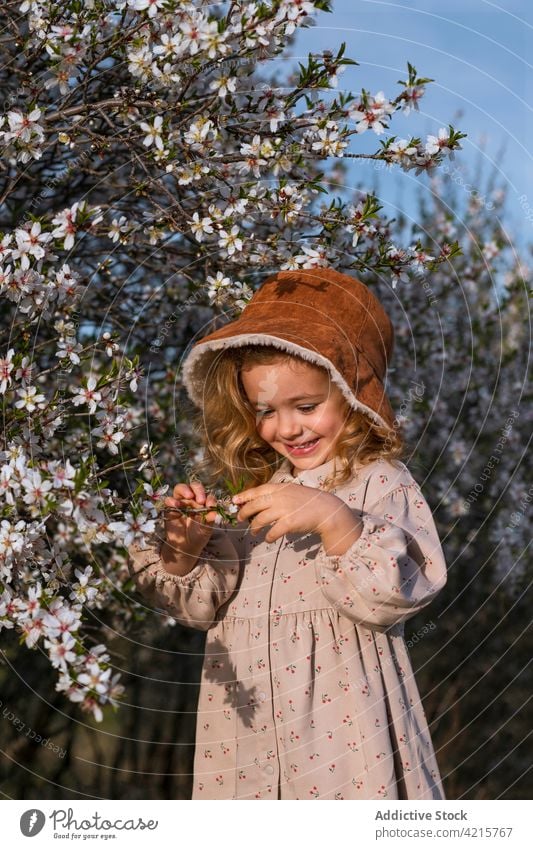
(303,447)
(301,444)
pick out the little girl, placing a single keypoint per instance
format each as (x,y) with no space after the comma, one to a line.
(307,690)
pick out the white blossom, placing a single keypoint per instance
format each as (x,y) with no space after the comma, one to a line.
(63,474)
(140,62)
(82,590)
(201,226)
(87,394)
(30,242)
(26,132)
(153,132)
(133,528)
(6,367)
(36,488)
(412,95)
(436,144)
(69,348)
(118,226)
(65,222)
(95,678)
(373,115)
(61,652)
(223,85)
(192,33)
(152,6)
(231,241)
(329,143)
(172,45)
(219,288)
(312,257)
(11,537)
(30,399)
(109,437)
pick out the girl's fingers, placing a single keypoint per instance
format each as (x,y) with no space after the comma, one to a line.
(199,492)
(182,490)
(210,501)
(194,491)
(263,520)
(251,508)
(194,497)
(193,504)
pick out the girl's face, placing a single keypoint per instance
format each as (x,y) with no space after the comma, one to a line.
(295,403)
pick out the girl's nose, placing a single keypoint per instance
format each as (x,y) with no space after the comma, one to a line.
(290,438)
(288,431)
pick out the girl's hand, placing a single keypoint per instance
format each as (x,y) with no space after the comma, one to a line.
(288,507)
(187,535)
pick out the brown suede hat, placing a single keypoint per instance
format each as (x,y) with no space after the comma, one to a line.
(328,318)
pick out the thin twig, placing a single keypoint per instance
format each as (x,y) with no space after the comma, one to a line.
(189,510)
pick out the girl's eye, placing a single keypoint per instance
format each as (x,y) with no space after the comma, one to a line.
(308,408)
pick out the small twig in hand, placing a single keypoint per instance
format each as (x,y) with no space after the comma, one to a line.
(224,512)
(189,510)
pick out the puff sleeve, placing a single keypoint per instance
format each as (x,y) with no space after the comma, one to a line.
(393,570)
(192,599)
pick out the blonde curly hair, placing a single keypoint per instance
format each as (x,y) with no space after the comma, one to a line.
(232,447)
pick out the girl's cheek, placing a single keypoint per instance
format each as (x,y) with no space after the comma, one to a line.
(324,423)
(264,431)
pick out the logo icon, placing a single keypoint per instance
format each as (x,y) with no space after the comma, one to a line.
(31,822)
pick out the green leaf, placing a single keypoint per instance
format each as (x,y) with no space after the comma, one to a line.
(233,489)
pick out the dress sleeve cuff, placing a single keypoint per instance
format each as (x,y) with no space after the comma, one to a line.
(373,527)
(160,573)
(147,561)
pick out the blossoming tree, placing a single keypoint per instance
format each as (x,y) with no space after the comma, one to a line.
(155,164)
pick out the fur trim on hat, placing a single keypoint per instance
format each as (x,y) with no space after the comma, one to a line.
(193,377)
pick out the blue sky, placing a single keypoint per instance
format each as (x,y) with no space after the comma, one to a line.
(476,52)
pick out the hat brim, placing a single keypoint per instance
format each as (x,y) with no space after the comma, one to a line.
(370,399)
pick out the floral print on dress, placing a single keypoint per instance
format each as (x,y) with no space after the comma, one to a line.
(307,689)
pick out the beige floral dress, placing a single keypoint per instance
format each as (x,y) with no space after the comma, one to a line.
(307,689)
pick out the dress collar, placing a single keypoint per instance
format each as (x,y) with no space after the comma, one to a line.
(308,477)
